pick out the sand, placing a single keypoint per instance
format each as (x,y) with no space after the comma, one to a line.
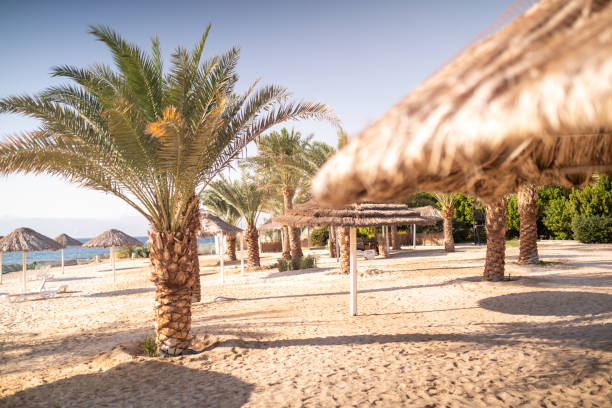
(428,333)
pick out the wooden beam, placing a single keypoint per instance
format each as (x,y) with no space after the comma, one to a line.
(353,269)
(221,258)
(413,236)
(23,272)
(242,253)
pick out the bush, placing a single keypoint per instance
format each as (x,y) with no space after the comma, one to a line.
(319,236)
(284,265)
(514,219)
(593,229)
(149,347)
(558,219)
(304,262)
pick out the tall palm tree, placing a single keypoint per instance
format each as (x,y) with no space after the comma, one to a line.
(496,225)
(247,199)
(227,213)
(527,200)
(447,201)
(154,138)
(278,155)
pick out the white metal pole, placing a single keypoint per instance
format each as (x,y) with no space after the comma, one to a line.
(62,261)
(337,244)
(242,252)
(282,240)
(221,258)
(112,256)
(387,238)
(23,272)
(353,263)
(413,236)
(308,231)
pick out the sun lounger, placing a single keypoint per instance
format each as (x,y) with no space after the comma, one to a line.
(369,254)
(41,293)
(43,273)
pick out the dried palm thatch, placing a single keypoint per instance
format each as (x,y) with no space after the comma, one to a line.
(27,240)
(428,211)
(355,215)
(532,103)
(111,238)
(66,240)
(213,225)
(270,226)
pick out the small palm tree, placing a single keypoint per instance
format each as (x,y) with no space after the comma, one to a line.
(227,213)
(447,201)
(527,200)
(496,224)
(155,139)
(247,199)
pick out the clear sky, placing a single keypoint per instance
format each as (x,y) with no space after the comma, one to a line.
(359,57)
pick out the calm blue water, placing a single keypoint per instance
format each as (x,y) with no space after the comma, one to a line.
(69,253)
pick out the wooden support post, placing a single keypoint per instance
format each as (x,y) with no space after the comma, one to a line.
(413,236)
(242,253)
(282,240)
(23,272)
(387,239)
(62,261)
(221,258)
(308,232)
(337,244)
(0,267)
(353,270)
(112,259)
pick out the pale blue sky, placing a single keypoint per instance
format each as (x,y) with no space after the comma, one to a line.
(359,57)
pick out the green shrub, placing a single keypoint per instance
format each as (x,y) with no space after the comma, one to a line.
(514,219)
(304,262)
(558,219)
(307,262)
(284,264)
(593,229)
(319,236)
(149,347)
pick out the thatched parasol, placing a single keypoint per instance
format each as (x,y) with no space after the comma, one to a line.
(270,226)
(215,226)
(112,238)
(532,103)
(65,241)
(26,240)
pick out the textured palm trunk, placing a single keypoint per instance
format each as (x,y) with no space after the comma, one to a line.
(294,233)
(381,242)
(395,243)
(286,246)
(527,200)
(230,251)
(449,241)
(252,236)
(345,249)
(331,241)
(172,257)
(496,224)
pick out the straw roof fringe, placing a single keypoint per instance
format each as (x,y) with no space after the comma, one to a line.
(66,240)
(270,226)
(26,239)
(213,225)
(428,211)
(531,103)
(112,237)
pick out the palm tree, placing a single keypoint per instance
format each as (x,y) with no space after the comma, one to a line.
(155,139)
(527,200)
(227,213)
(278,155)
(447,201)
(496,224)
(247,199)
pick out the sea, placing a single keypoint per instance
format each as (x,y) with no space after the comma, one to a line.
(71,254)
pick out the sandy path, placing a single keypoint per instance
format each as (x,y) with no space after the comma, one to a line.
(429,333)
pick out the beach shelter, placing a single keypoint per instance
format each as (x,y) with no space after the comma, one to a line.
(65,241)
(112,238)
(352,216)
(271,226)
(1,262)
(26,240)
(531,103)
(216,227)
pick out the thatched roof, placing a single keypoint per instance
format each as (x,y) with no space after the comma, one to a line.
(213,225)
(531,103)
(428,211)
(26,239)
(270,226)
(112,237)
(66,240)
(355,215)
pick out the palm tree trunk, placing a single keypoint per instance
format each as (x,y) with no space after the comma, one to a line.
(194,225)
(331,241)
(395,243)
(449,241)
(252,236)
(172,258)
(345,250)
(381,244)
(230,251)
(496,224)
(294,232)
(286,246)
(527,200)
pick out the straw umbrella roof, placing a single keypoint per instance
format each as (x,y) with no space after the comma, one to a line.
(213,225)
(531,103)
(270,226)
(112,237)
(355,215)
(428,211)
(66,240)
(26,239)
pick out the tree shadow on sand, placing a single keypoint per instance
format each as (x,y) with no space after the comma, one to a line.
(123,292)
(138,384)
(550,303)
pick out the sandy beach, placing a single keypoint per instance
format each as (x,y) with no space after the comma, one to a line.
(429,333)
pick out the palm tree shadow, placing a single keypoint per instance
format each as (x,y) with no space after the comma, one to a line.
(122,292)
(138,384)
(550,303)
